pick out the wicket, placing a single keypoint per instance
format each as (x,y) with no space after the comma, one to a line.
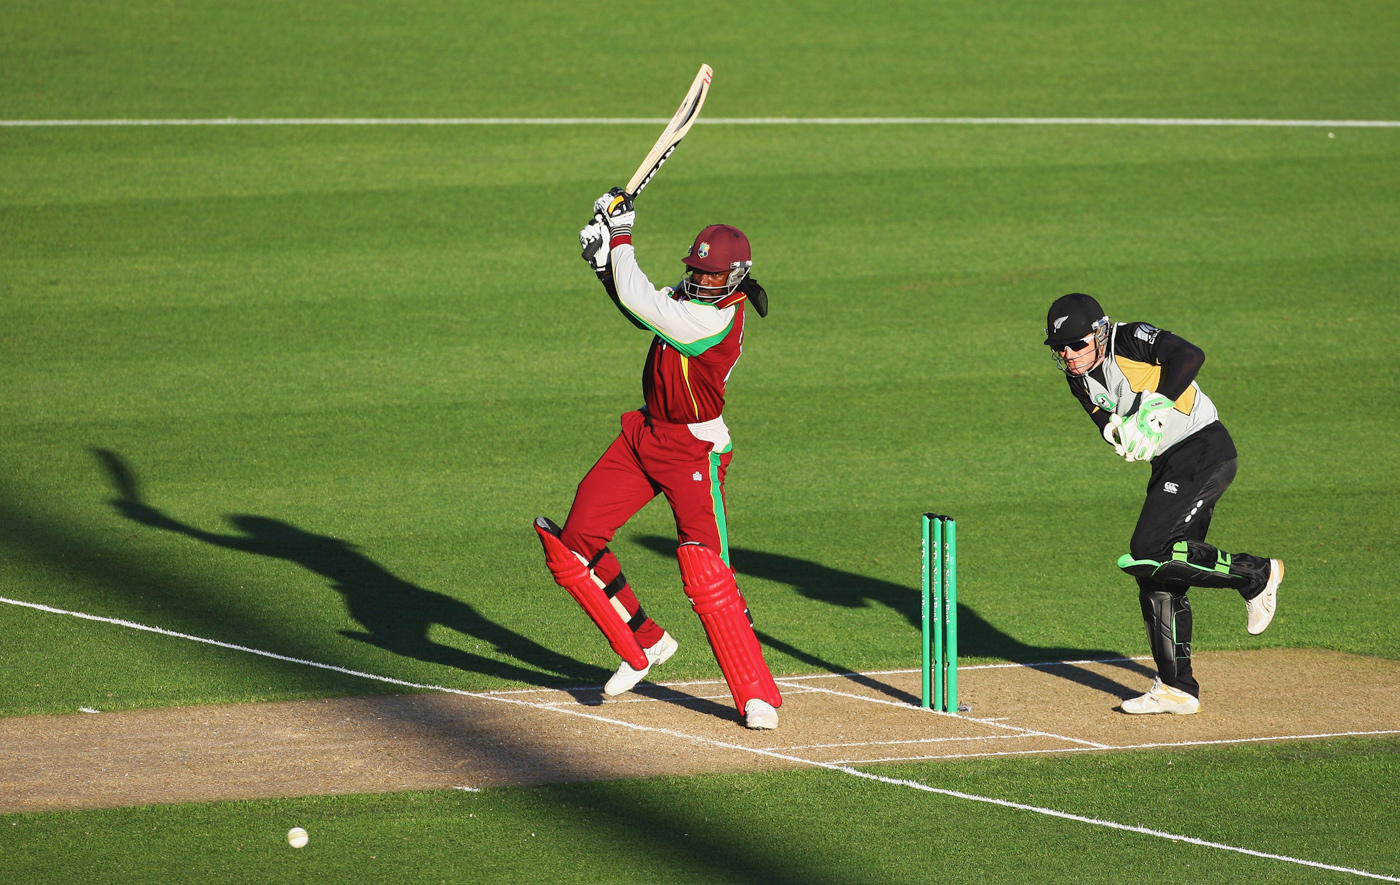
(940,580)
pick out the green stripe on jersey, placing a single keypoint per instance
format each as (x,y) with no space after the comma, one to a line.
(693,348)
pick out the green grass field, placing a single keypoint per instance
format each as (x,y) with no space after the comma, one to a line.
(345,366)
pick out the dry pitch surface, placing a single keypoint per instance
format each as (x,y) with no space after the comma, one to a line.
(539,736)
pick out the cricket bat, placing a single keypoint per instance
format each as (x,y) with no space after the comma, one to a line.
(671,136)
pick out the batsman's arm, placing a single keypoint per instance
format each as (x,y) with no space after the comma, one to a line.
(611,286)
(689,326)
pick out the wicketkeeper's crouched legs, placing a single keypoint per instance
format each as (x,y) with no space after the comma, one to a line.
(715,596)
(598,597)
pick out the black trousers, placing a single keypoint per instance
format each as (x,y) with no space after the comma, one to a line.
(1186,483)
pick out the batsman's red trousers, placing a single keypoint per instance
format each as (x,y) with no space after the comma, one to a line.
(648,458)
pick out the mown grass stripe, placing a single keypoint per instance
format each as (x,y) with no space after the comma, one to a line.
(718,121)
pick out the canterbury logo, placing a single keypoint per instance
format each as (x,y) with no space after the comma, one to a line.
(1060,322)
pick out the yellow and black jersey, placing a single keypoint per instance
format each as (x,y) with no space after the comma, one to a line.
(1145,359)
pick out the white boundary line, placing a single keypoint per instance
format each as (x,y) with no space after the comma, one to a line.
(717,121)
(831,766)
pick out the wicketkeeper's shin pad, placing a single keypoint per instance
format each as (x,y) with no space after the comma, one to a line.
(1168,619)
(716,599)
(571,571)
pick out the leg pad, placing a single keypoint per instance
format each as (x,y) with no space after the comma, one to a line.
(1167,617)
(716,599)
(571,571)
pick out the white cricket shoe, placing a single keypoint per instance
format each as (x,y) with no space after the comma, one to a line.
(626,678)
(1162,699)
(1260,609)
(760,714)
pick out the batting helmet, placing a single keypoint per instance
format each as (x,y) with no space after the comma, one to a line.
(718,248)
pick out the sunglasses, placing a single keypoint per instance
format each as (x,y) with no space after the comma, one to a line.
(1075,346)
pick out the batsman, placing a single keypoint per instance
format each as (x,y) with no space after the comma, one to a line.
(676,445)
(1138,384)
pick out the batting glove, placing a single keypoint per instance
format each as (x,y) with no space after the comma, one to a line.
(617,211)
(593,242)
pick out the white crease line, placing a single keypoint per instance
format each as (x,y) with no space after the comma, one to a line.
(853,772)
(939,740)
(961,667)
(932,757)
(717,121)
(1118,747)
(989,722)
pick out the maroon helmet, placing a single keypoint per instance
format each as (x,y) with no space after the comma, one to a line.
(719,248)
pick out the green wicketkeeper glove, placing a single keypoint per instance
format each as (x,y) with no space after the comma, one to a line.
(1141,433)
(1151,413)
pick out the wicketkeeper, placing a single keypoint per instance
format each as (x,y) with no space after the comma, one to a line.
(676,445)
(1138,384)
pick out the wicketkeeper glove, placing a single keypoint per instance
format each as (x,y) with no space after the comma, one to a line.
(617,211)
(593,242)
(1152,412)
(1113,432)
(1138,444)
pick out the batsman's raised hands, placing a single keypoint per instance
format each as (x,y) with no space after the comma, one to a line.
(593,242)
(617,211)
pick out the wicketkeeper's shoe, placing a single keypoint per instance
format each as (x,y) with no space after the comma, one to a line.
(1162,699)
(626,678)
(1260,609)
(760,714)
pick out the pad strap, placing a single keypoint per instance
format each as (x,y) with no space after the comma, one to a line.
(572,572)
(1200,565)
(716,599)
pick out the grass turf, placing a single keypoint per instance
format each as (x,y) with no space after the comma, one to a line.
(345,367)
(827,827)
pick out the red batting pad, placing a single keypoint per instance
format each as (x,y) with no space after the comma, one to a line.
(716,599)
(571,572)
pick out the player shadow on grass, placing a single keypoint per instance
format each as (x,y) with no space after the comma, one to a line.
(845,589)
(395,613)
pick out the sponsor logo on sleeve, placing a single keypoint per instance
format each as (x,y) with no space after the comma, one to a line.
(1147,333)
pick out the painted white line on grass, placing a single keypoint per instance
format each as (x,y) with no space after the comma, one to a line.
(845,769)
(719,121)
(1113,825)
(1116,747)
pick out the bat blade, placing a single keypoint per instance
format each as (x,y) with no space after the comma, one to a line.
(680,124)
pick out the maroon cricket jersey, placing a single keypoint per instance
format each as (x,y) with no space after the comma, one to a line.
(695,348)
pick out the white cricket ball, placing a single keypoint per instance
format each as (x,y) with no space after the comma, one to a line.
(297,838)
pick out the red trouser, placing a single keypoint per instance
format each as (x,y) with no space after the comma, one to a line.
(649,458)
